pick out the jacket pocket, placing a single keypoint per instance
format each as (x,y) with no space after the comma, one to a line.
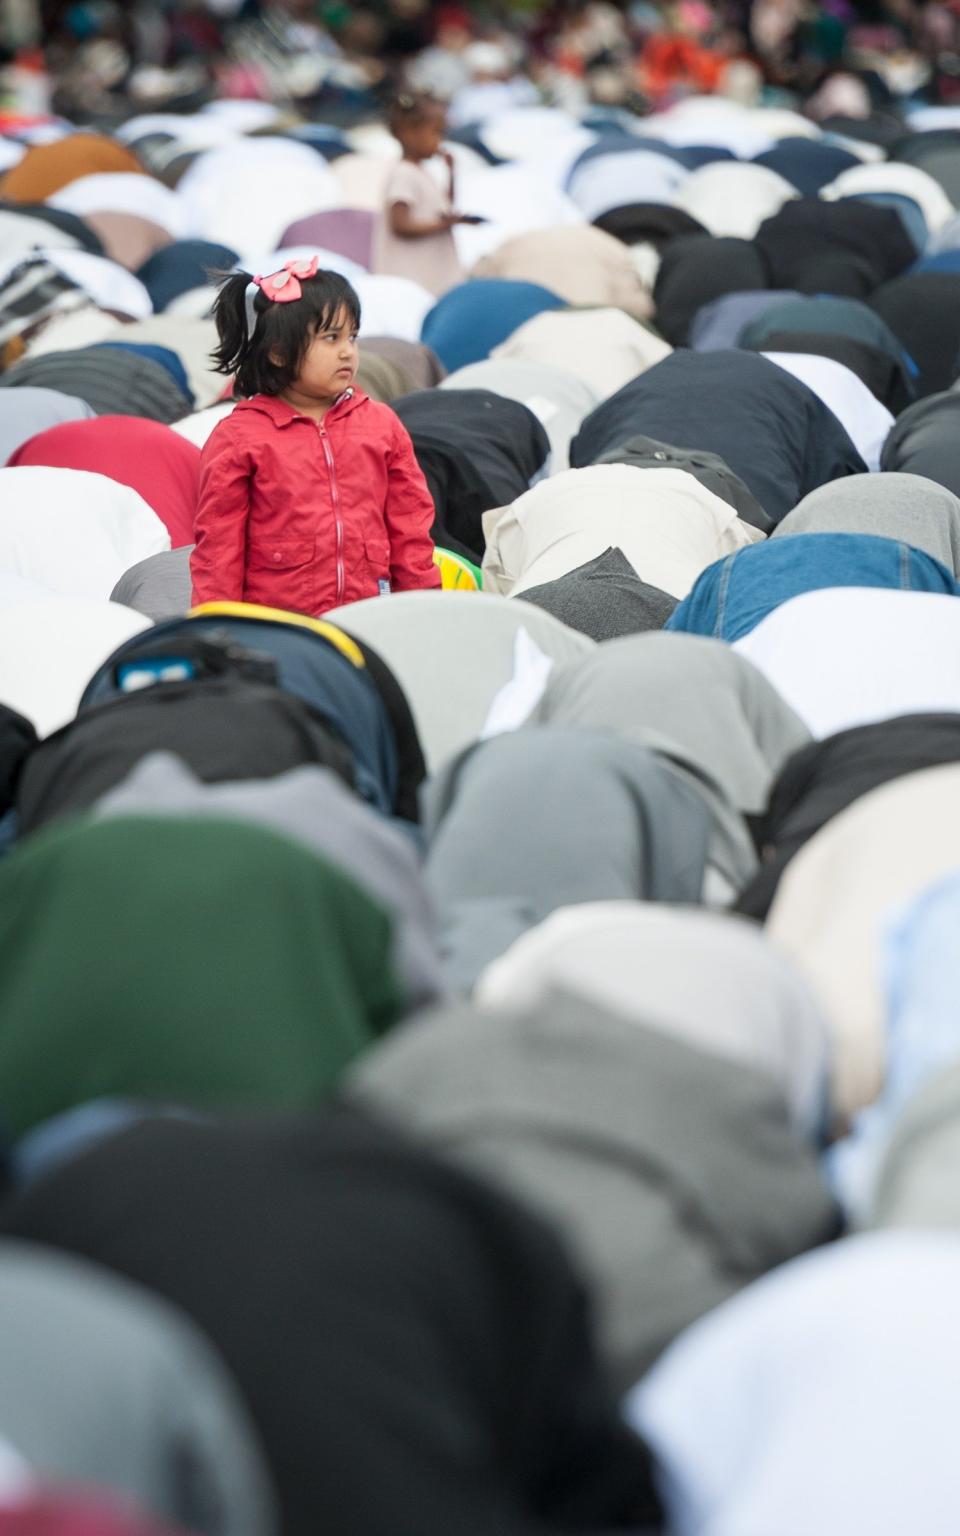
(377,550)
(279,554)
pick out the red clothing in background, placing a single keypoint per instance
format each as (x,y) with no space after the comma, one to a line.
(145,455)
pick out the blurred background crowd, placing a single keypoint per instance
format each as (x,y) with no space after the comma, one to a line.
(97,61)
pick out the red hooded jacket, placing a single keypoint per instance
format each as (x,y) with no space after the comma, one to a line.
(305,515)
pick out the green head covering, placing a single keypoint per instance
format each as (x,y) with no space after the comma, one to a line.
(212,963)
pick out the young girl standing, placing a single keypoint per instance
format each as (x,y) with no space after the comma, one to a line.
(414,232)
(310,493)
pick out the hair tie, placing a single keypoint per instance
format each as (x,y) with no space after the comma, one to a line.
(283,287)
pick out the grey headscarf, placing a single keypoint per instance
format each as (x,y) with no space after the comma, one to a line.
(925,440)
(112,381)
(25,412)
(697,700)
(675,1175)
(103,1384)
(539,819)
(451,653)
(159,586)
(721,323)
(909,508)
(605,598)
(312,807)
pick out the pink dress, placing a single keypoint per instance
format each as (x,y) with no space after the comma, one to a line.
(431,261)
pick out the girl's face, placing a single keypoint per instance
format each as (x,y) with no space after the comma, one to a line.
(330,362)
(421,139)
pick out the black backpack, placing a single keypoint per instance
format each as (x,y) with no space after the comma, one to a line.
(214,707)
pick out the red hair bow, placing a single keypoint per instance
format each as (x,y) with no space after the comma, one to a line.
(284,286)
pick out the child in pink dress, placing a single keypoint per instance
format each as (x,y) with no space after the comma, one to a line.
(414,234)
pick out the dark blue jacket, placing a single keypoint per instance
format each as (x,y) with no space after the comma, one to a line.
(772,431)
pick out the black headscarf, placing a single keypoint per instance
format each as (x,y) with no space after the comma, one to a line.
(821,780)
(18,739)
(884,127)
(885,376)
(923,311)
(698,268)
(925,440)
(413,1348)
(655,222)
(477,450)
(844,248)
(181,266)
(770,429)
(224,728)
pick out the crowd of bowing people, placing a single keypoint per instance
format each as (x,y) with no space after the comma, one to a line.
(484,1060)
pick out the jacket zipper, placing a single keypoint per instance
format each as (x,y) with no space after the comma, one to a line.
(335,498)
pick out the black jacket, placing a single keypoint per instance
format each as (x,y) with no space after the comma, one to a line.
(842,248)
(477,450)
(223,728)
(413,1347)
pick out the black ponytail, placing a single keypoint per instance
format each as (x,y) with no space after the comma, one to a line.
(281,331)
(230,313)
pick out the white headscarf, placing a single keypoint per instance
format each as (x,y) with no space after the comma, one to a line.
(866,420)
(891,176)
(255,186)
(196,428)
(629,176)
(513,199)
(49,650)
(669,526)
(604,347)
(821,1401)
(119,192)
(849,656)
(708,979)
(392,306)
(74,531)
(732,198)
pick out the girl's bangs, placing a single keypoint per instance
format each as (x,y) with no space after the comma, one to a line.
(328,311)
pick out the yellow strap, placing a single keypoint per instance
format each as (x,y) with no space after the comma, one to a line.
(327,631)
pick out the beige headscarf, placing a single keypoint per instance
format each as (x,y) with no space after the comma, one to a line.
(838,893)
